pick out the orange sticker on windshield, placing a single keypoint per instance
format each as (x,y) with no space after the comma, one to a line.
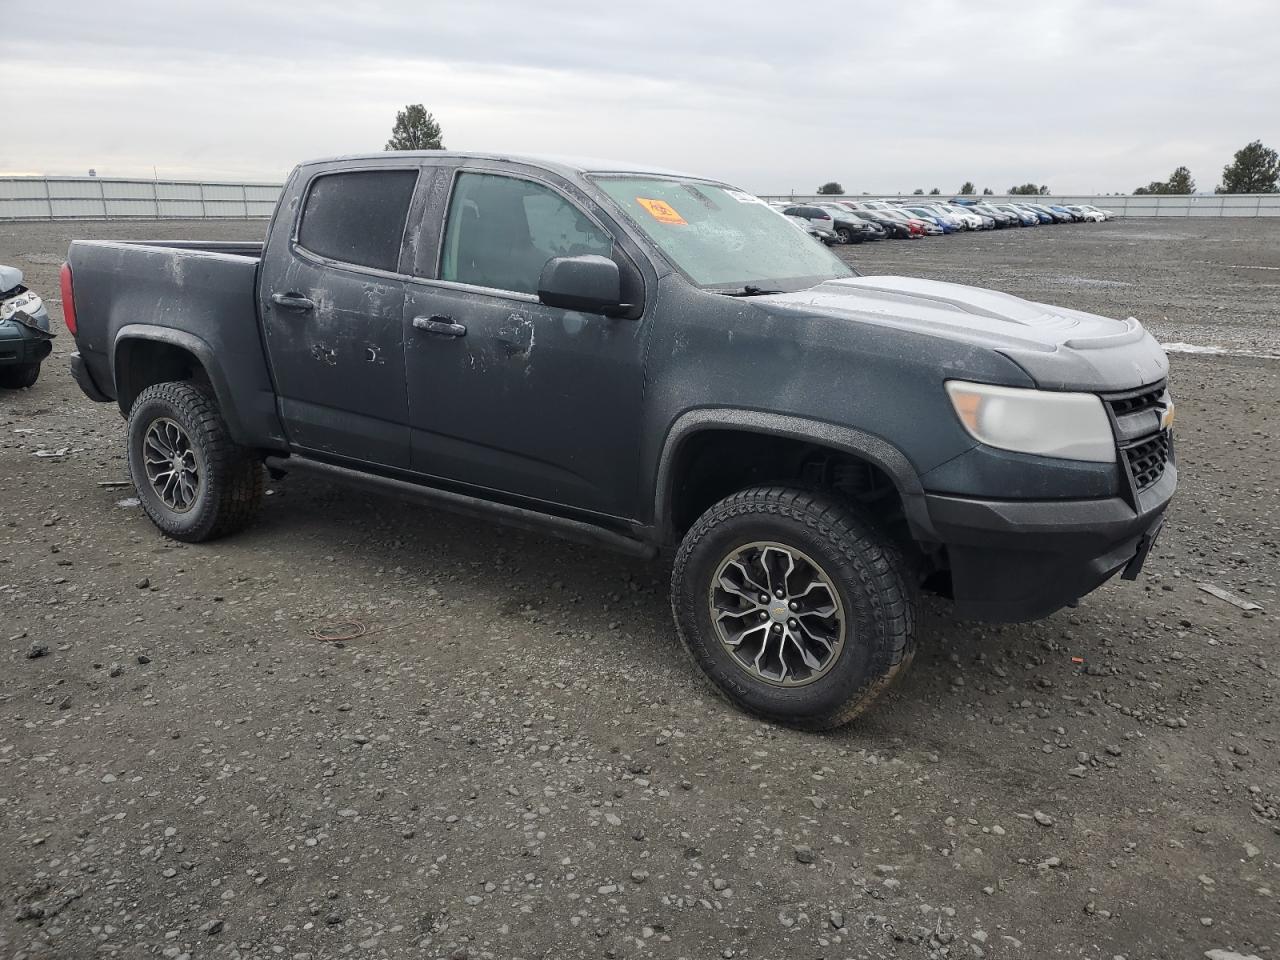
(661,211)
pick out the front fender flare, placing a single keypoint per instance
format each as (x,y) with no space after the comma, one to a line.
(875,450)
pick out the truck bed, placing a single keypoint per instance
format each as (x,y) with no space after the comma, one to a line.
(200,296)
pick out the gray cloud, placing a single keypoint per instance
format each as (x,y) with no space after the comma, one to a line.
(1081,94)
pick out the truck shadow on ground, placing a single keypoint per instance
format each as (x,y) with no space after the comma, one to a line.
(510,574)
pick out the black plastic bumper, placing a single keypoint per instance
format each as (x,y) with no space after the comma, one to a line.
(18,351)
(84,379)
(1014,560)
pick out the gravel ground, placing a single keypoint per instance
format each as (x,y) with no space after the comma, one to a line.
(516,759)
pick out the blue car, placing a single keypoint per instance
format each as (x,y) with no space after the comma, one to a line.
(930,217)
(1075,217)
(1025,217)
(1040,213)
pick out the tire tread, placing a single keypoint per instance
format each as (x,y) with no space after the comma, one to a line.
(235,478)
(877,563)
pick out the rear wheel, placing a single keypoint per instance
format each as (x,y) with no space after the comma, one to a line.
(794,605)
(19,377)
(193,482)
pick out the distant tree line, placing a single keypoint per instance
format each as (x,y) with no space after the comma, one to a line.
(1254,169)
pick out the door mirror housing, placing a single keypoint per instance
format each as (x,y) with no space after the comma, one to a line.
(590,283)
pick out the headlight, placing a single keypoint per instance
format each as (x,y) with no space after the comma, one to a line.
(1073,426)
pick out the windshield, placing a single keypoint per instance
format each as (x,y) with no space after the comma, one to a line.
(721,237)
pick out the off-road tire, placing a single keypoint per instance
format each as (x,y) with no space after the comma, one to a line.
(232,479)
(878,593)
(19,377)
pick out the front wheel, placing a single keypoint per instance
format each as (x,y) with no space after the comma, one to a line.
(19,377)
(192,480)
(794,605)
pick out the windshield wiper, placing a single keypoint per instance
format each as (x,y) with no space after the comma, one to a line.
(750,290)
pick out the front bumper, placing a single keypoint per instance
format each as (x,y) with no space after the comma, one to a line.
(1015,560)
(20,345)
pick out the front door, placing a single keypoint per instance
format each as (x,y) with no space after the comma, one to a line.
(332,315)
(508,394)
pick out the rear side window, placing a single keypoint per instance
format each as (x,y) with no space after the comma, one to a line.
(358,217)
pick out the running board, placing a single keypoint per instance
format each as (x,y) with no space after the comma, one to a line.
(576,530)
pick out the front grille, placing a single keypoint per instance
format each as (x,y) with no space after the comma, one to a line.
(1148,459)
(1146,449)
(1149,398)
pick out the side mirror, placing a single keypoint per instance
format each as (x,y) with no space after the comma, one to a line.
(590,283)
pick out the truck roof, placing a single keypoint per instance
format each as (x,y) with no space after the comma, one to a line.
(555,163)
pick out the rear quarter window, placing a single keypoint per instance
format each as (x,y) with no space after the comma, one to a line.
(358,217)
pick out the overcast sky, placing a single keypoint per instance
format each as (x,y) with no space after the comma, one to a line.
(1084,95)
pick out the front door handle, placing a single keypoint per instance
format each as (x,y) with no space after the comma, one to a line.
(292,301)
(440,326)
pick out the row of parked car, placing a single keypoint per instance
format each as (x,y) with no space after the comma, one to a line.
(854,221)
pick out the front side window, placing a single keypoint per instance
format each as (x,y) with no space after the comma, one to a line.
(501,232)
(358,217)
(723,238)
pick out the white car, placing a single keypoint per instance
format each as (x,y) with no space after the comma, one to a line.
(1090,208)
(1090,216)
(975,220)
(932,209)
(879,205)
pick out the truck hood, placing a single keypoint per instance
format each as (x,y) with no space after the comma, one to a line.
(10,277)
(1059,348)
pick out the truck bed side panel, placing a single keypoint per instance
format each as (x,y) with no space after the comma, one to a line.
(203,301)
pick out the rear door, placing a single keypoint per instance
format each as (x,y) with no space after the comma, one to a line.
(331,306)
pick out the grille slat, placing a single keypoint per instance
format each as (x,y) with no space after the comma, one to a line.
(1148,459)
(1146,452)
(1137,402)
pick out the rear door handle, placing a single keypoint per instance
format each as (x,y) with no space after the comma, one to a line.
(291,301)
(440,326)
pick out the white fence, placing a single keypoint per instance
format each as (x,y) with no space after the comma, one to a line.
(1163,205)
(108,198)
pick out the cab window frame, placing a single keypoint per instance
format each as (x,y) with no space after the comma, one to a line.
(527,177)
(304,252)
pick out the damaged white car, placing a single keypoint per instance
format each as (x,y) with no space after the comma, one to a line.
(25,337)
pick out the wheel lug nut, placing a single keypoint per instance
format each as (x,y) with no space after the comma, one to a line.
(763,615)
(777,627)
(791,623)
(779,594)
(794,605)
(764,598)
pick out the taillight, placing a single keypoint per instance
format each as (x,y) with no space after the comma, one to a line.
(68,300)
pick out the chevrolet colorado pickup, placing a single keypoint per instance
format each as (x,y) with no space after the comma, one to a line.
(653,361)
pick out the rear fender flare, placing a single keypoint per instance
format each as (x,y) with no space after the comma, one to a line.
(197,348)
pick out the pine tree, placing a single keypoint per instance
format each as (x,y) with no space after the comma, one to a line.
(415,129)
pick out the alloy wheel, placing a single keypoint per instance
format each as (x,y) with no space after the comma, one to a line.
(777,613)
(171,465)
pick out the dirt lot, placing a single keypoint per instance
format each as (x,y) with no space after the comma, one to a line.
(518,761)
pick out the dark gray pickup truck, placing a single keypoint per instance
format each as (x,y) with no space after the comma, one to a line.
(657,362)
